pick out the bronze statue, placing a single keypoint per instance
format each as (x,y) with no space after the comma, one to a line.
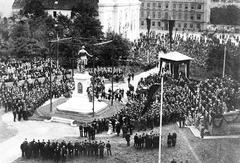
(82,59)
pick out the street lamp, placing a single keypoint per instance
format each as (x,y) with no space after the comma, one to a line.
(56,26)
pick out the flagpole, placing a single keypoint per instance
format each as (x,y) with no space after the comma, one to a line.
(160,126)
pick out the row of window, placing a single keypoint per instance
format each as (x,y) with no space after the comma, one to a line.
(178,25)
(180,15)
(185,6)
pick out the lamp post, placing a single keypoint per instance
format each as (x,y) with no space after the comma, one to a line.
(56,26)
(112,83)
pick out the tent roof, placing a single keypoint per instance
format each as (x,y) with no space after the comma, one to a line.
(175,56)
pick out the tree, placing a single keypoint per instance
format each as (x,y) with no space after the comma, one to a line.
(85,22)
(226,15)
(215,62)
(118,49)
(22,44)
(33,8)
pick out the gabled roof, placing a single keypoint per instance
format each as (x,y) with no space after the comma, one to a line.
(175,56)
(50,4)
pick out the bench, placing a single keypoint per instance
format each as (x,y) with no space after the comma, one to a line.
(62,120)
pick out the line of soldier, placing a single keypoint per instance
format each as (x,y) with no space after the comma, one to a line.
(147,141)
(171,140)
(54,150)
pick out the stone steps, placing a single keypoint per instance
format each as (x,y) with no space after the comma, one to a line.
(62,120)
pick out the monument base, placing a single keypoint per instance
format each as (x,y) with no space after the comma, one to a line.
(79,102)
(81,105)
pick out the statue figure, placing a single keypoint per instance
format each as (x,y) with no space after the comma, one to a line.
(82,59)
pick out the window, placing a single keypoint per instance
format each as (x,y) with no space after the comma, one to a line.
(179,25)
(159,5)
(142,4)
(148,13)
(185,25)
(191,25)
(185,17)
(142,23)
(186,6)
(198,16)
(174,15)
(159,14)
(154,4)
(192,6)
(180,16)
(180,5)
(148,5)
(159,24)
(54,14)
(166,6)
(192,17)
(199,26)
(199,6)
(153,15)
(174,6)
(166,15)
(142,13)
(153,23)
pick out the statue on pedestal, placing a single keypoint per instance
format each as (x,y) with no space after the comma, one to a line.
(82,59)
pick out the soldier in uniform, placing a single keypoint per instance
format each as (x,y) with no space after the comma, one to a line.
(174,139)
(24,147)
(108,146)
(76,148)
(70,148)
(101,149)
(127,137)
(64,153)
(169,140)
(81,130)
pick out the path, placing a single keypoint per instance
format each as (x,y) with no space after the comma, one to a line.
(10,149)
(134,82)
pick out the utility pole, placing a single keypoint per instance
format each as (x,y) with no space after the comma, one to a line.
(112,83)
(93,87)
(50,72)
(160,126)
(224,60)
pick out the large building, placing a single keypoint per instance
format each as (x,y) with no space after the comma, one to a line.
(191,15)
(120,16)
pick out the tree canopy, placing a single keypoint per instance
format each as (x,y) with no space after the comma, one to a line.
(226,15)
(33,8)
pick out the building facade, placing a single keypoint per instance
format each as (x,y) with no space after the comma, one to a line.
(119,16)
(191,15)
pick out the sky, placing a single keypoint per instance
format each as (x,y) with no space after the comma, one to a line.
(6,7)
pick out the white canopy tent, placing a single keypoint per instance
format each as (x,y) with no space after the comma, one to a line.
(175,59)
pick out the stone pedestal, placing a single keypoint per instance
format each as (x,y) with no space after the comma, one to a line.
(79,102)
(82,81)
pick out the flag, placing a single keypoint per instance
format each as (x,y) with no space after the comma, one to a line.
(171,25)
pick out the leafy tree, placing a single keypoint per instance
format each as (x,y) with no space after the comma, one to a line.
(215,62)
(226,15)
(118,49)
(85,22)
(33,8)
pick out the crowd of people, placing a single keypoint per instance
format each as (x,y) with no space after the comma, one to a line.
(16,70)
(146,141)
(196,46)
(61,150)
(24,94)
(106,73)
